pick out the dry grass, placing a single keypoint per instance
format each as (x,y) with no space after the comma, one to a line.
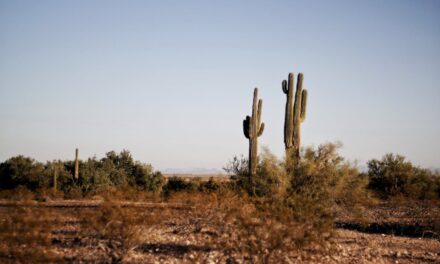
(244,228)
(219,226)
(116,228)
(18,194)
(25,236)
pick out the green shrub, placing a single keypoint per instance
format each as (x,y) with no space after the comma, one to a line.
(179,184)
(307,194)
(271,178)
(322,174)
(123,170)
(321,181)
(394,176)
(210,186)
(22,171)
(146,179)
(115,170)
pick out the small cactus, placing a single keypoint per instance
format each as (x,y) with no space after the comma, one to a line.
(76,175)
(55,177)
(253,128)
(294,116)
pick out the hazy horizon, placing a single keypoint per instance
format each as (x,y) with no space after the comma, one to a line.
(171,81)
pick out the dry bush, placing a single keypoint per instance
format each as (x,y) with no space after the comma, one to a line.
(127,193)
(115,228)
(271,180)
(73,192)
(20,193)
(244,228)
(295,207)
(200,211)
(263,232)
(212,185)
(323,181)
(436,222)
(48,194)
(295,203)
(25,236)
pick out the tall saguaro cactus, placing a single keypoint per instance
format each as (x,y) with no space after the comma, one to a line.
(294,116)
(253,128)
(76,175)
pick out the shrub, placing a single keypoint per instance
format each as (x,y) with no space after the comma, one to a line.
(303,197)
(238,169)
(20,193)
(394,176)
(210,186)
(322,175)
(64,177)
(247,229)
(92,178)
(179,184)
(321,181)
(95,176)
(271,178)
(117,228)
(123,170)
(23,171)
(146,179)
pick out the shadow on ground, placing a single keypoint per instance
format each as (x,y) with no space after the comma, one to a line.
(171,249)
(397,229)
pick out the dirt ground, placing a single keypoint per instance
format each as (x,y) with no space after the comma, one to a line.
(390,233)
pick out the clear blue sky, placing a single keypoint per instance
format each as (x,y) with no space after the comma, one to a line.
(171,81)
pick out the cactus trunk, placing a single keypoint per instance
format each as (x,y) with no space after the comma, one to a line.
(76,175)
(295,114)
(253,128)
(55,177)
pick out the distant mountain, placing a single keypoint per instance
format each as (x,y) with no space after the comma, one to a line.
(195,171)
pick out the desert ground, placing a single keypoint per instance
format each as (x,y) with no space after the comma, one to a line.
(172,232)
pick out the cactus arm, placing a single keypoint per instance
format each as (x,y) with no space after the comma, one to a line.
(260,107)
(298,94)
(297,105)
(260,132)
(254,119)
(260,125)
(284,87)
(303,105)
(246,123)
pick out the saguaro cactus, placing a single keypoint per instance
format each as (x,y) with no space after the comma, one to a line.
(55,176)
(253,128)
(76,175)
(294,116)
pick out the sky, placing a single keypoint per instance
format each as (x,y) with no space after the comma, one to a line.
(171,81)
